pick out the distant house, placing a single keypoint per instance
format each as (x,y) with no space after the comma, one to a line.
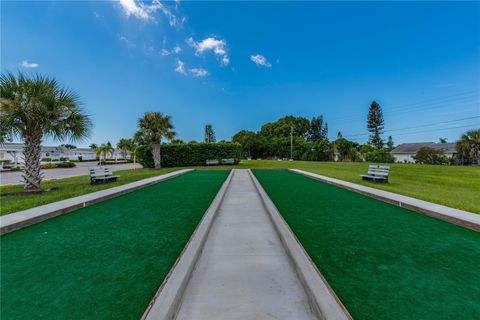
(405,151)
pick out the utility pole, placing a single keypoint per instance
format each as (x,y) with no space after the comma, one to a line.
(291,143)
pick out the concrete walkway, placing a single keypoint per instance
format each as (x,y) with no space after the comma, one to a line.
(243,271)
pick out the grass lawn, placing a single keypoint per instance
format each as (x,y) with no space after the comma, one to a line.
(453,186)
(383,261)
(105,261)
(67,188)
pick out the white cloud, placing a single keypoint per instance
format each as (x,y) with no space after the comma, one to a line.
(219,47)
(198,72)
(180,67)
(177,49)
(260,60)
(98,15)
(29,65)
(140,10)
(126,41)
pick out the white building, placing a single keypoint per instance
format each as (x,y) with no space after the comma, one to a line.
(14,153)
(406,151)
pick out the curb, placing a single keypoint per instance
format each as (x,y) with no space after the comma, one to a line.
(167,300)
(461,218)
(323,300)
(25,218)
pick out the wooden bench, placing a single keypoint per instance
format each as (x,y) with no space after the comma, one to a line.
(228,161)
(102,175)
(212,162)
(377,173)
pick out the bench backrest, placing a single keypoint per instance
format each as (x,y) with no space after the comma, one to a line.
(228,161)
(100,172)
(375,170)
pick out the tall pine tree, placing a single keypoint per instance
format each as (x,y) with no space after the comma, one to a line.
(318,129)
(375,125)
(390,144)
(209,133)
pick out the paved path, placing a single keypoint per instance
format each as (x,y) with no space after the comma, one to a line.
(82,168)
(243,271)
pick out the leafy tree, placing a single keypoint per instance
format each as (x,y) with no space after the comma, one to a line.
(318,129)
(442,140)
(346,149)
(339,135)
(103,151)
(152,128)
(283,127)
(248,140)
(428,155)
(125,146)
(468,147)
(35,107)
(380,156)
(375,124)
(209,134)
(390,144)
(93,146)
(68,146)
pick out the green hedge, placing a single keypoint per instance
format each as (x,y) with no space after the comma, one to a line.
(190,154)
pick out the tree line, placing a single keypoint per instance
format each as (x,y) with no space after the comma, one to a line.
(35,107)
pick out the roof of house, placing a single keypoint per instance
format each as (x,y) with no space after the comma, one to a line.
(414,147)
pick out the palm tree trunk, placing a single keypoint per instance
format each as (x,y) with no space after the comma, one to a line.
(156,155)
(31,152)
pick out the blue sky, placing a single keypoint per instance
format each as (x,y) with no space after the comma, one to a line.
(238,65)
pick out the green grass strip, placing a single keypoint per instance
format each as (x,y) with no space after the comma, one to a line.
(383,261)
(105,261)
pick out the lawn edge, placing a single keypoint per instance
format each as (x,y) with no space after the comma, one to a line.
(322,299)
(167,299)
(459,217)
(21,219)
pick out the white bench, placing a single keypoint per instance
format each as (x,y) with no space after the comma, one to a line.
(228,161)
(377,173)
(212,162)
(102,175)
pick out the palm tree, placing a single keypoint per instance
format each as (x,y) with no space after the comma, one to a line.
(468,147)
(152,128)
(35,107)
(93,146)
(125,145)
(104,150)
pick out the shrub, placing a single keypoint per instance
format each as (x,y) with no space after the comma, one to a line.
(63,159)
(190,154)
(380,156)
(65,164)
(46,159)
(428,155)
(48,166)
(6,161)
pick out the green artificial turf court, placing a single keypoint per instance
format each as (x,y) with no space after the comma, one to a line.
(383,261)
(105,261)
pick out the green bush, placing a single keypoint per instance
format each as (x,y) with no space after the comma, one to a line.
(63,159)
(65,164)
(46,159)
(190,154)
(48,166)
(380,156)
(6,161)
(428,155)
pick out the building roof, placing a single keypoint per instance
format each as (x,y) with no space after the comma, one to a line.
(412,148)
